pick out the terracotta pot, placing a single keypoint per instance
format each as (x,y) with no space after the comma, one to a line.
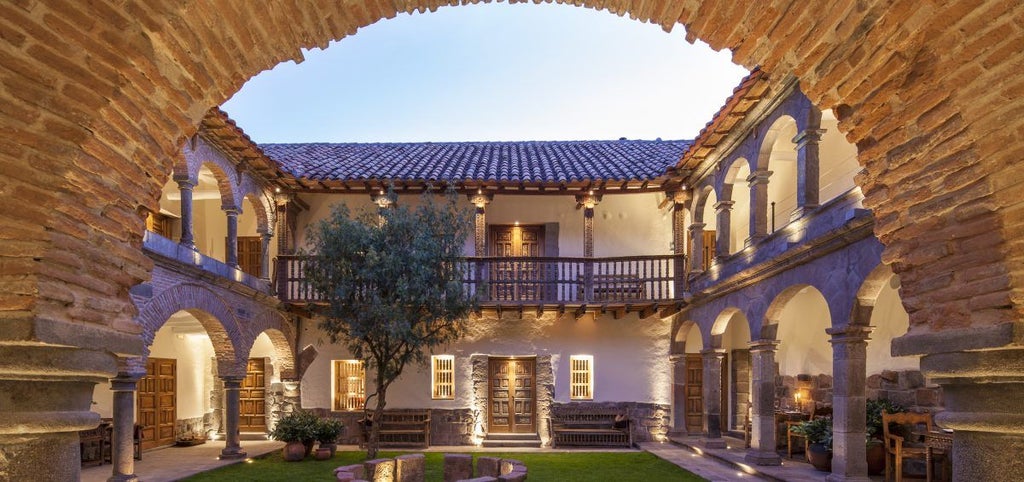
(294,452)
(323,453)
(876,459)
(820,457)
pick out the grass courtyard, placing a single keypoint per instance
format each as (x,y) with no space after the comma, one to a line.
(560,467)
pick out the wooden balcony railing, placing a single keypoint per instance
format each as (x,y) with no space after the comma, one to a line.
(537,280)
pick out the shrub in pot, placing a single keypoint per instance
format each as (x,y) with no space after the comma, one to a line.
(298,430)
(327,432)
(819,438)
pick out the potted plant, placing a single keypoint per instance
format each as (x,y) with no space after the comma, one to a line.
(327,432)
(875,447)
(298,431)
(819,438)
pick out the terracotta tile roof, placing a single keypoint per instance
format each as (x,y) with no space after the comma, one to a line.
(494,162)
(743,99)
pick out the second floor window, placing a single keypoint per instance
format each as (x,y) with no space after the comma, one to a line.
(581,377)
(442,374)
(349,385)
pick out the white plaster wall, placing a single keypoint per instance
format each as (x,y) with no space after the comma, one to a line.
(739,226)
(624,224)
(103,400)
(710,215)
(194,354)
(694,342)
(209,227)
(890,321)
(803,343)
(737,333)
(264,348)
(630,359)
(838,160)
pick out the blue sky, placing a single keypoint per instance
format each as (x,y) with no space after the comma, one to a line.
(492,72)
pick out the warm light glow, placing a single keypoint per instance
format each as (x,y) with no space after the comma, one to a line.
(517,223)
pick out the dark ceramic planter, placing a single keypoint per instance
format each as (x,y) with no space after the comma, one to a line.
(876,459)
(820,457)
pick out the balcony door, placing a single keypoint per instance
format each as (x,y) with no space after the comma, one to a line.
(517,280)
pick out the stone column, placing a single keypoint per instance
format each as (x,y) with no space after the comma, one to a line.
(45,393)
(807,169)
(697,253)
(758,182)
(231,256)
(713,398)
(849,411)
(480,200)
(722,237)
(185,186)
(265,254)
(983,394)
(232,446)
(588,202)
(122,452)
(762,426)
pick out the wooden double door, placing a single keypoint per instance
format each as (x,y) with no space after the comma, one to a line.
(512,395)
(252,398)
(517,280)
(157,396)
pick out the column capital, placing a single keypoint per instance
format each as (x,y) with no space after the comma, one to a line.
(808,136)
(588,200)
(713,353)
(231,210)
(480,199)
(724,205)
(678,197)
(283,198)
(849,333)
(759,176)
(763,345)
(232,382)
(185,183)
(696,226)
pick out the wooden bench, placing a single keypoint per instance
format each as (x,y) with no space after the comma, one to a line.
(403,428)
(583,427)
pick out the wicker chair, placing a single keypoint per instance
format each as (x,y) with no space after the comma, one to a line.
(905,445)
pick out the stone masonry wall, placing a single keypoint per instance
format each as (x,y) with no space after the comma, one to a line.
(650,422)
(909,388)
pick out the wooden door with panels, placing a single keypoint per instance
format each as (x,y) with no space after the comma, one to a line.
(157,395)
(517,280)
(512,395)
(694,393)
(252,409)
(709,248)
(250,254)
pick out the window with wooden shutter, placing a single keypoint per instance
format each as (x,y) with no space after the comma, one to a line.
(442,374)
(349,385)
(581,377)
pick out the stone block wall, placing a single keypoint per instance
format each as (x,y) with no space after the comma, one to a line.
(815,391)
(190,428)
(909,388)
(740,403)
(283,398)
(453,426)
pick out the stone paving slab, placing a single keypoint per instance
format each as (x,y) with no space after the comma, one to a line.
(173,463)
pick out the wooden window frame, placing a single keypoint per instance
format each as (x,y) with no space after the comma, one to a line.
(442,377)
(581,377)
(352,395)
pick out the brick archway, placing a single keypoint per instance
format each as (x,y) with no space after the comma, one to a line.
(97,102)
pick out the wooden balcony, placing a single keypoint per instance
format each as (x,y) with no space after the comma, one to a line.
(643,284)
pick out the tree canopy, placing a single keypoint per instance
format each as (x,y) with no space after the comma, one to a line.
(392,282)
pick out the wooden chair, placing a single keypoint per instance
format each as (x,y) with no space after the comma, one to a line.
(905,445)
(819,412)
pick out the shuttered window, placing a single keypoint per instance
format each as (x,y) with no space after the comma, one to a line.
(442,374)
(581,377)
(349,385)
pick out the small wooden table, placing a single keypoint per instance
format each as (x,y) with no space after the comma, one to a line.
(940,440)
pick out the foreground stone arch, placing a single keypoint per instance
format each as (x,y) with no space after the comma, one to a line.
(98,101)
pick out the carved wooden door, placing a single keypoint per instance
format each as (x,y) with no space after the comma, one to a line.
(512,395)
(517,280)
(252,398)
(694,394)
(157,394)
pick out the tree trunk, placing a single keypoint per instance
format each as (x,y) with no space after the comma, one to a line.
(373,444)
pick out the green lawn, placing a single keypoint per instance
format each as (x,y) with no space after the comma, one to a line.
(582,466)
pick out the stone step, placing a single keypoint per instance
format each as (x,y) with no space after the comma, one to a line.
(512,440)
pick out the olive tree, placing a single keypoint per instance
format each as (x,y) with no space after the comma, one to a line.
(392,283)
